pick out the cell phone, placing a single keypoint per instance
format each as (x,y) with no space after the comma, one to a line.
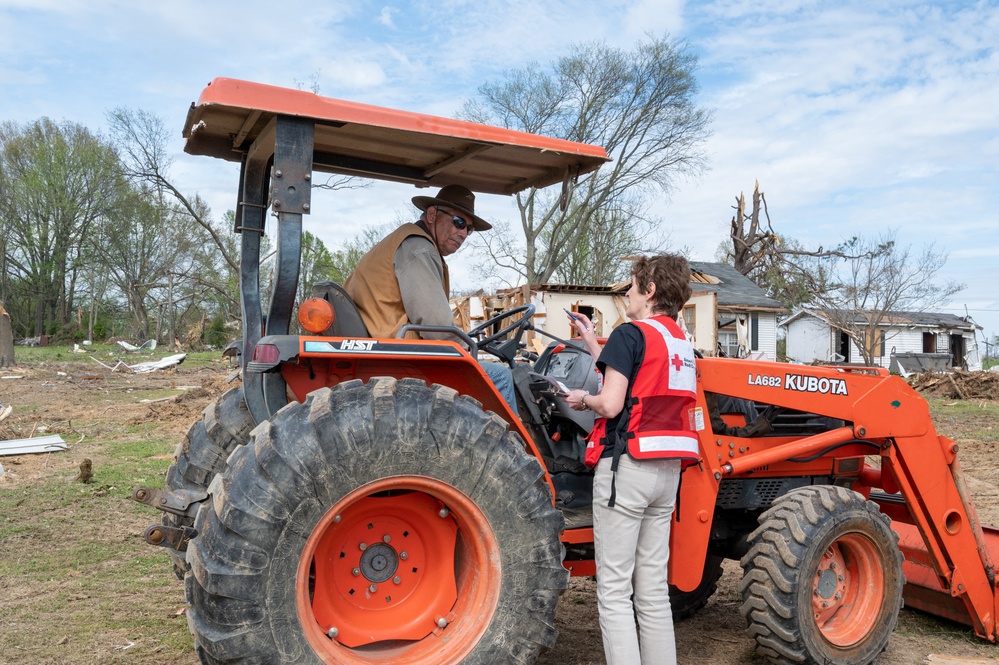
(573,316)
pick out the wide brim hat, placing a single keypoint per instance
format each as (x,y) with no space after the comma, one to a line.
(457,197)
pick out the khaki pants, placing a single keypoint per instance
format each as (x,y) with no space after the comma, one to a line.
(631,543)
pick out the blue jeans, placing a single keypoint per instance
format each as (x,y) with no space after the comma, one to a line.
(502,378)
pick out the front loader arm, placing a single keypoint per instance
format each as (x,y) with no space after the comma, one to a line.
(948,554)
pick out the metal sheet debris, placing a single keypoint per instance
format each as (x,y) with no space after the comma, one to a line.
(148,345)
(150,366)
(39,444)
(169,361)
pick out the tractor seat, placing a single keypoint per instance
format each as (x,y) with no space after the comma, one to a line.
(347,321)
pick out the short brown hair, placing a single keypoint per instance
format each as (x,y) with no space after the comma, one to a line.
(671,275)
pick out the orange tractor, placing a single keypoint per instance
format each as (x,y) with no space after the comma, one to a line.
(367,501)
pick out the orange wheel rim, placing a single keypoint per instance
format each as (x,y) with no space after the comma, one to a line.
(402,570)
(848,590)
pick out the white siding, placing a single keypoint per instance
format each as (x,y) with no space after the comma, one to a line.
(767,335)
(906,340)
(808,339)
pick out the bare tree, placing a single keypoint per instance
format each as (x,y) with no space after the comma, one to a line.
(782,266)
(141,139)
(878,286)
(638,105)
(614,234)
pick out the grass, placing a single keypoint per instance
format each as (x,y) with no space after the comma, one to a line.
(78,585)
(973,419)
(103,352)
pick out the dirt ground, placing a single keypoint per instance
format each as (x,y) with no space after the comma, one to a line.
(68,399)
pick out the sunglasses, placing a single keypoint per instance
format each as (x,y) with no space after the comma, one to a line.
(460,223)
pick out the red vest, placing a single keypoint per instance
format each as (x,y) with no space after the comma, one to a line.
(662,420)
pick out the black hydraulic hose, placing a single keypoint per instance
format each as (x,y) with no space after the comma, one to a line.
(800,460)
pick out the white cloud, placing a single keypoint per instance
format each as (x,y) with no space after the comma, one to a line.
(385,17)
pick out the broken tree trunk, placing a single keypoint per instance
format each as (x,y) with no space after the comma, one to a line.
(6,340)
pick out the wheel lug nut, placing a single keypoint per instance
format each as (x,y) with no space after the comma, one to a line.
(832,565)
(403,555)
(397,580)
(333,632)
(355,572)
(362,546)
(386,538)
(441,622)
(373,588)
(839,577)
(838,596)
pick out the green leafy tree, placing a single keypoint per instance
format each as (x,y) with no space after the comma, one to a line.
(56,181)
(317,265)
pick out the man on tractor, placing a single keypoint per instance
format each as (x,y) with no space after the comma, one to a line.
(404,278)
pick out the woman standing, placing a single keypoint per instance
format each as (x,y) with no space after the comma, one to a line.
(643,436)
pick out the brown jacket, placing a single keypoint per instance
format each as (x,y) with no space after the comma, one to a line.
(374,287)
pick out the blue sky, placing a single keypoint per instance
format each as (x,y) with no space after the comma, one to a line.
(855,117)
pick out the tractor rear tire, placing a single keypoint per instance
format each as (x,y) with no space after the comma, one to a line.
(224,425)
(822,580)
(685,604)
(376,523)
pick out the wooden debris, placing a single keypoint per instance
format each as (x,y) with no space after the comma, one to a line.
(940,659)
(957,384)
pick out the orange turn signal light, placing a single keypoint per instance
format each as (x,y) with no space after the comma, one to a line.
(315,315)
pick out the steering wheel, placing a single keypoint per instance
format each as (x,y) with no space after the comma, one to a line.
(505,349)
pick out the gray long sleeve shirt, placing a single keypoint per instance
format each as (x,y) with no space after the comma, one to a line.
(420,271)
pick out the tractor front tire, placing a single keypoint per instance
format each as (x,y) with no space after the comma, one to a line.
(224,425)
(822,580)
(374,523)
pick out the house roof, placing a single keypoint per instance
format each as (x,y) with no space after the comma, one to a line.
(733,288)
(899,319)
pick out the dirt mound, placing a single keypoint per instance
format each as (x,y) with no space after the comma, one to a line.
(178,412)
(957,384)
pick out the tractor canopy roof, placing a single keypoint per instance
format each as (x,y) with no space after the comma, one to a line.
(233,118)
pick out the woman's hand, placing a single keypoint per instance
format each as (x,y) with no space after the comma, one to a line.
(584,326)
(574,398)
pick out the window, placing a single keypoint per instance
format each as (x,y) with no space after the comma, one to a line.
(690,318)
(929,342)
(728,343)
(877,344)
(754,331)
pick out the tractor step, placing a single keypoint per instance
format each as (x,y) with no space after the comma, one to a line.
(178,502)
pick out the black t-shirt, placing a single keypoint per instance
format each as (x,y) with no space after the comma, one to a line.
(624,351)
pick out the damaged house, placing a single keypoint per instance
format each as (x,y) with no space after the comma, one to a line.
(908,341)
(727,313)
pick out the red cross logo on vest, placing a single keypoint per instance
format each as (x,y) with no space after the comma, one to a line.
(676,362)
